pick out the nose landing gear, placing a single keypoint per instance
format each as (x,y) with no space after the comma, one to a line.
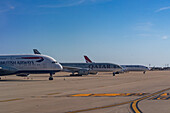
(51,76)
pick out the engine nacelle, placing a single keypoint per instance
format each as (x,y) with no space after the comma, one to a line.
(83,72)
(93,72)
(23,75)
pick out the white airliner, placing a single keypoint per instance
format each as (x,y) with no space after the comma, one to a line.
(23,65)
(85,69)
(125,68)
(90,68)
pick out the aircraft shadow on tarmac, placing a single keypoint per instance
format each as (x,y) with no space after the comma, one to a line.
(15,80)
(76,76)
(46,75)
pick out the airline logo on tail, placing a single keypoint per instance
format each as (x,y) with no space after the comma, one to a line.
(87,59)
(36,51)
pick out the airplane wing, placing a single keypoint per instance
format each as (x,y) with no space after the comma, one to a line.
(69,68)
(80,71)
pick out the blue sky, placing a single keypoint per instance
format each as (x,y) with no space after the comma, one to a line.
(117,31)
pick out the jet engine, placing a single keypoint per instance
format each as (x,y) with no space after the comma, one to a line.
(93,72)
(83,72)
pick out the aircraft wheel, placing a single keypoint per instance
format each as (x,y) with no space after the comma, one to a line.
(50,78)
(117,73)
(79,75)
(72,74)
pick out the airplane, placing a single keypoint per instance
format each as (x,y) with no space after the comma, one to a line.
(85,69)
(125,68)
(23,65)
(90,68)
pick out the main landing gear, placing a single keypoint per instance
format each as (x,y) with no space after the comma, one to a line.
(75,75)
(51,76)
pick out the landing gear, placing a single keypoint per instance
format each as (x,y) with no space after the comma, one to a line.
(117,72)
(72,74)
(79,75)
(114,74)
(51,76)
(75,75)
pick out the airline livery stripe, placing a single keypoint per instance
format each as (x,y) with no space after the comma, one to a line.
(32,58)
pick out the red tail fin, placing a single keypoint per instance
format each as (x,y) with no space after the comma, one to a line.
(87,59)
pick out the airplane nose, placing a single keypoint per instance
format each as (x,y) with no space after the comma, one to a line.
(59,67)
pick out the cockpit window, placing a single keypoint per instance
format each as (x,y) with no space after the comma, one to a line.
(54,62)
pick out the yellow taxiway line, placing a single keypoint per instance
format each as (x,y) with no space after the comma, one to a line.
(164,96)
(133,106)
(109,95)
(11,100)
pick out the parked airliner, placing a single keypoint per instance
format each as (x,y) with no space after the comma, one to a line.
(90,68)
(23,65)
(125,68)
(85,69)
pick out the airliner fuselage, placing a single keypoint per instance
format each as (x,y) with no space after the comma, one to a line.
(89,68)
(28,64)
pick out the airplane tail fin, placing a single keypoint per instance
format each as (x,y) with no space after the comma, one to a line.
(36,51)
(87,59)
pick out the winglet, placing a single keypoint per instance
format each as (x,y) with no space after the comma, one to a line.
(36,51)
(87,59)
